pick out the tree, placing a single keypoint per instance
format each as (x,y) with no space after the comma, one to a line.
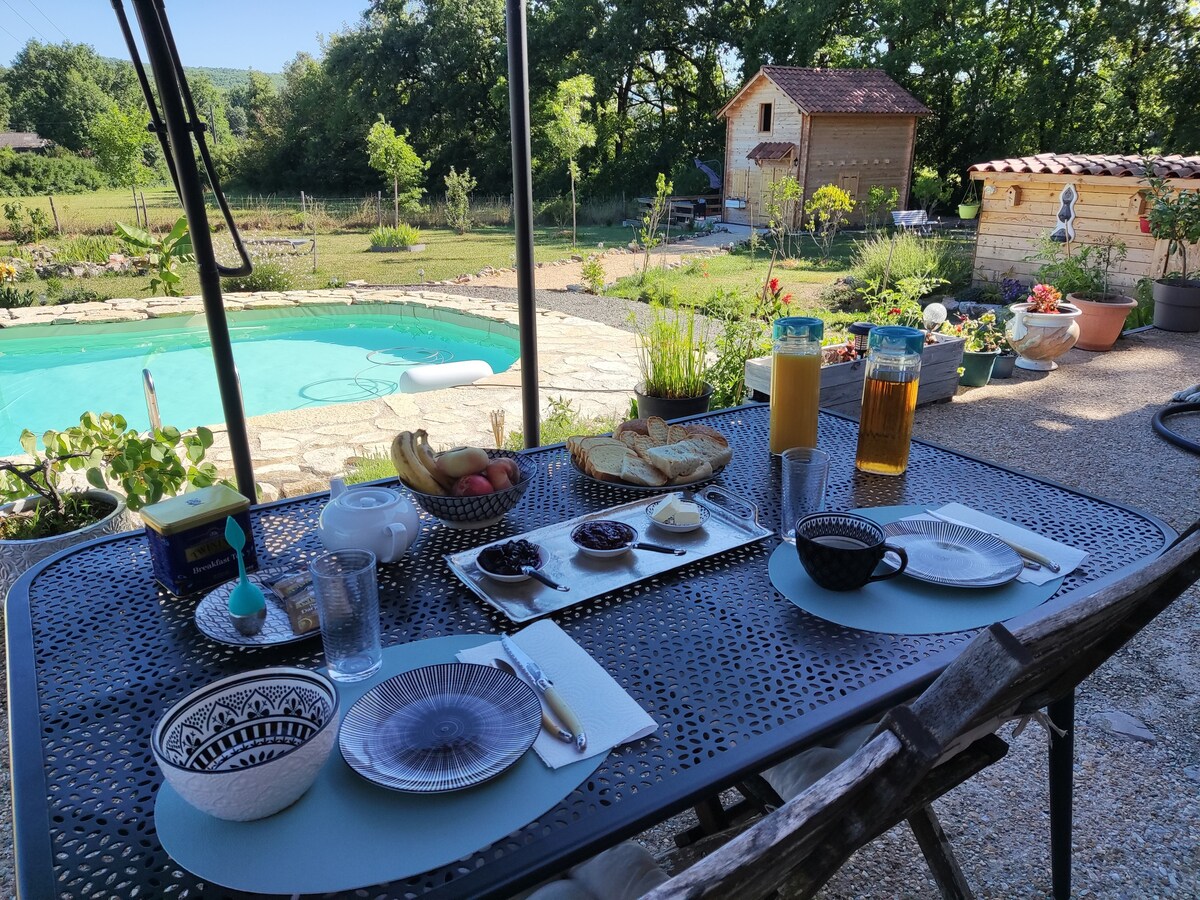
(389,153)
(568,132)
(826,211)
(458,199)
(120,140)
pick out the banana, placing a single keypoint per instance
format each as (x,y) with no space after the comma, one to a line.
(408,465)
(430,461)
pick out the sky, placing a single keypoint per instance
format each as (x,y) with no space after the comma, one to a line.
(240,34)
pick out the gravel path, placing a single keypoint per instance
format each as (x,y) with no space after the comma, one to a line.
(1137,805)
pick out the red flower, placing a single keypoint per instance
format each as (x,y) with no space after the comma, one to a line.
(773,284)
(894,311)
(787,299)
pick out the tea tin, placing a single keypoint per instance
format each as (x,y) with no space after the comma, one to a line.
(187,538)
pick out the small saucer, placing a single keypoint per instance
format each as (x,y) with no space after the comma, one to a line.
(212,615)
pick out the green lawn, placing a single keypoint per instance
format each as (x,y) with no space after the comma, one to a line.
(342,255)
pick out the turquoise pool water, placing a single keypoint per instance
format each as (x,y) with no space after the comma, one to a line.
(287,359)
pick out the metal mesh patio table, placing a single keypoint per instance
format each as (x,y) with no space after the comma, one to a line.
(736,676)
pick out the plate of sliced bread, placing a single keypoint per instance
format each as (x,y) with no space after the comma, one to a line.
(650,455)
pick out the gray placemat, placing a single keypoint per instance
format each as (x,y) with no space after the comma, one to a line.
(903,605)
(347,833)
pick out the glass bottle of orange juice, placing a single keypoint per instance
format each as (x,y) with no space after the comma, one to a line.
(889,399)
(795,382)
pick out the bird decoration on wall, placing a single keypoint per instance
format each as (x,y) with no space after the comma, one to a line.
(1064,232)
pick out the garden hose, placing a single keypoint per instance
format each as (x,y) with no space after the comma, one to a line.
(1159,423)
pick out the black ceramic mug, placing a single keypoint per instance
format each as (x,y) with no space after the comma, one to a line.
(841,550)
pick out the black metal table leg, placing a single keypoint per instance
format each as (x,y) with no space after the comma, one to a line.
(1062,769)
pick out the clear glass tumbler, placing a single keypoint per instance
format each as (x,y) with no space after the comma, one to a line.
(805,476)
(347,593)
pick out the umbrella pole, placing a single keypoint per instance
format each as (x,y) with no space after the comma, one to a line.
(151,20)
(518,104)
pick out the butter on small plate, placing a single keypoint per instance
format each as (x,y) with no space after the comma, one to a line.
(674,513)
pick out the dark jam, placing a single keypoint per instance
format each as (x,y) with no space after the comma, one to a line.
(603,535)
(509,558)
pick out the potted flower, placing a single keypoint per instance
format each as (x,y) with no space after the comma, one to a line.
(673,359)
(39,516)
(1175,218)
(980,349)
(969,207)
(1084,278)
(1042,328)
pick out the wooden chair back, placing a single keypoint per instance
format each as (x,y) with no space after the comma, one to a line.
(999,674)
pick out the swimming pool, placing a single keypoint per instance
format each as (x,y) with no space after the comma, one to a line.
(287,359)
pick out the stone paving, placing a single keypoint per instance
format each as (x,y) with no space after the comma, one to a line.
(295,452)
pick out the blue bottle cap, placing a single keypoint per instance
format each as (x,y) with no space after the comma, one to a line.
(798,326)
(896,339)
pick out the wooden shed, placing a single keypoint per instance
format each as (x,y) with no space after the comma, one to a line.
(1084,197)
(851,127)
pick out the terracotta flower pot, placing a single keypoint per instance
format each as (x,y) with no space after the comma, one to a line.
(1041,338)
(1102,321)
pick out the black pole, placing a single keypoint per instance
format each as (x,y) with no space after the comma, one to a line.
(151,19)
(518,106)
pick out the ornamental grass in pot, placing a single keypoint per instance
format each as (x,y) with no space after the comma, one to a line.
(1042,328)
(39,516)
(673,359)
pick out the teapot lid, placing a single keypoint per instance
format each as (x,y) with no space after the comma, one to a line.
(367,498)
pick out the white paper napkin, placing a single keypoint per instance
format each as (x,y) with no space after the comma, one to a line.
(1068,558)
(610,716)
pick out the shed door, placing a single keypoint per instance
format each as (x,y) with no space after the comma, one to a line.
(850,186)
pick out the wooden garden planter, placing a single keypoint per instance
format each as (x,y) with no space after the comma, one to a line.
(842,383)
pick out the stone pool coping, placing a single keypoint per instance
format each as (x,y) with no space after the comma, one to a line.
(297,451)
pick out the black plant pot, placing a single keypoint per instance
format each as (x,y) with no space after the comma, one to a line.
(1004,365)
(1176,304)
(672,407)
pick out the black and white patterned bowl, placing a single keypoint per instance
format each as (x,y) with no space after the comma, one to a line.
(483,510)
(440,728)
(247,746)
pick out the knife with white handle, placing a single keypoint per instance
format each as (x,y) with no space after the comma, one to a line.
(1038,558)
(545,687)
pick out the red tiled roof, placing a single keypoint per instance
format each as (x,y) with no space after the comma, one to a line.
(23,140)
(1093,164)
(845,91)
(772,150)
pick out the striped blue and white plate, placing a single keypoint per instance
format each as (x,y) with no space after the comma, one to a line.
(440,728)
(954,555)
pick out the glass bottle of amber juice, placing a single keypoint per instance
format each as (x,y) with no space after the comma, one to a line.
(889,398)
(795,382)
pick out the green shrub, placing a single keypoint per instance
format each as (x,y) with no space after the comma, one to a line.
(593,274)
(556,212)
(23,174)
(561,421)
(397,237)
(267,276)
(911,256)
(15,298)
(80,293)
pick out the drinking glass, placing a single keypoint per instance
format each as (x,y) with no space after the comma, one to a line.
(805,475)
(347,593)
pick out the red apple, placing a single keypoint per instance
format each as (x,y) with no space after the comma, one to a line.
(502,473)
(472,486)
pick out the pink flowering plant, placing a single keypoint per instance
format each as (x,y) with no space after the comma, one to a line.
(1044,299)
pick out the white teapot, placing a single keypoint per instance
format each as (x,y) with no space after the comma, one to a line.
(368,518)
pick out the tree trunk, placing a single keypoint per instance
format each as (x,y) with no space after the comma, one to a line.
(573,225)
(396,202)
(137,215)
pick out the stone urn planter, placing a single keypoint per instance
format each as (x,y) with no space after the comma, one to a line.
(1102,319)
(16,557)
(1041,338)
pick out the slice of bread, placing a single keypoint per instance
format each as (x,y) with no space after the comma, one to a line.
(677,433)
(607,462)
(674,460)
(635,426)
(657,429)
(704,431)
(636,470)
(702,473)
(709,450)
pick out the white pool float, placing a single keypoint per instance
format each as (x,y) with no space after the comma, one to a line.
(443,375)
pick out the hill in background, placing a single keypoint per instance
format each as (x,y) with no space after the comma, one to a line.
(224,78)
